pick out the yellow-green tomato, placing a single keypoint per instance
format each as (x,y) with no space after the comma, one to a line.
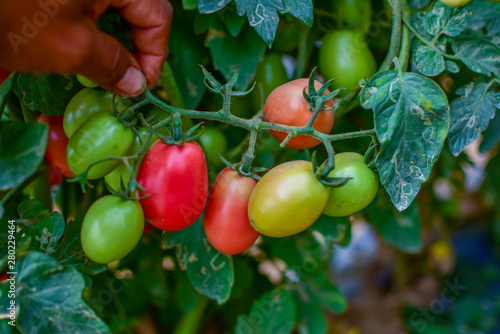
(456,3)
(102,136)
(344,55)
(111,229)
(113,178)
(84,105)
(287,200)
(358,192)
(86,81)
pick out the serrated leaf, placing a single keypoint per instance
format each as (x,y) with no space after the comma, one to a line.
(400,229)
(211,6)
(412,119)
(210,271)
(491,136)
(48,232)
(49,297)
(227,55)
(428,61)
(22,147)
(301,9)
(329,230)
(48,94)
(443,19)
(471,112)
(262,15)
(452,66)
(274,312)
(478,55)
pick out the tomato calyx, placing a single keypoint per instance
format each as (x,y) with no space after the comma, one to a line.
(316,98)
(321,173)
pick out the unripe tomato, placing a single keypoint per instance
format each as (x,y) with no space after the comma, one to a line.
(287,105)
(176,178)
(344,55)
(226,215)
(55,154)
(111,229)
(358,192)
(213,141)
(83,106)
(86,81)
(270,73)
(122,172)
(457,3)
(287,200)
(100,137)
(353,13)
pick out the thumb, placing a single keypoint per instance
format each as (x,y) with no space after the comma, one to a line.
(108,63)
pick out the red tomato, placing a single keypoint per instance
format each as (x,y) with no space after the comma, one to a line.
(226,216)
(287,105)
(56,149)
(176,178)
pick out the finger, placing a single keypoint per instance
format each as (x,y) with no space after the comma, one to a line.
(108,63)
(150,22)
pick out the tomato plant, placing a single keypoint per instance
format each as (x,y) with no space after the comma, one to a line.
(213,141)
(226,214)
(112,227)
(176,181)
(100,137)
(359,191)
(287,200)
(287,105)
(269,74)
(353,13)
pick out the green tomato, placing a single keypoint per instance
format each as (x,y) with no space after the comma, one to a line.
(86,81)
(287,34)
(270,73)
(85,104)
(111,229)
(213,141)
(353,13)
(344,55)
(122,172)
(100,137)
(358,192)
(457,3)
(287,200)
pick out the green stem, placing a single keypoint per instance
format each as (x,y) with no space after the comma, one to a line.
(28,114)
(249,154)
(304,52)
(170,87)
(191,322)
(395,35)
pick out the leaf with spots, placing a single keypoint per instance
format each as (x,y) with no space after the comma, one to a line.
(428,61)
(412,119)
(478,55)
(262,15)
(471,112)
(210,271)
(301,9)
(443,19)
(48,232)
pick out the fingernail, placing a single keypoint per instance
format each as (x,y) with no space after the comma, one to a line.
(133,82)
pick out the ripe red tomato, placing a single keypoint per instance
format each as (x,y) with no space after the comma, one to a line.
(56,149)
(176,178)
(287,105)
(226,219)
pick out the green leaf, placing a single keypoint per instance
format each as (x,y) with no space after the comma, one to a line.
(69,251)
(322,290)
(310,317)
(493,27)
(301,9)
(211,6)
(329,230)
(48,94)
(478,55)
(210,271)
(263,16)
(274,312)
(22,147)
(491,136)
(417,4)
(5,91)
(234,22)
(452,66)
(48,232)
(412,119)
(400,229)
(49,298)
(227,55)
(483,12)
(428,61)
(471,112)
(32,209)
(189,4)
(443,19)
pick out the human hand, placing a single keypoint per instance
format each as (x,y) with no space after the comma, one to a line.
(60,36)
